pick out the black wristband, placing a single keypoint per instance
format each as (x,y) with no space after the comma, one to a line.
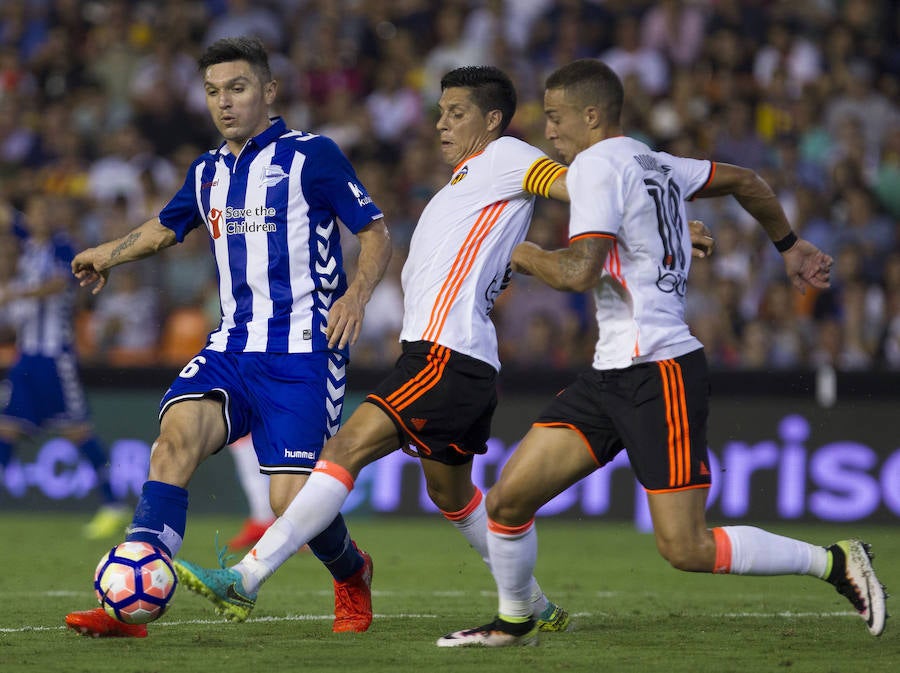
(786,243)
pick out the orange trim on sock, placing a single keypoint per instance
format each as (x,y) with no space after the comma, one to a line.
(336,471)
(467,510)
(723,552)
(512,531)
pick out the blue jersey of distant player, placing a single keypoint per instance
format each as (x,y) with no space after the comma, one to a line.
(44,324)
(272,215)
(43,385)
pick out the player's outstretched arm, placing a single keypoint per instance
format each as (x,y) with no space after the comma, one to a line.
(346,314)
(805,263)
(91,266)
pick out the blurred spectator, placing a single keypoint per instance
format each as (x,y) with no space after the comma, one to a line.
(889,348)
(788,338)
(110,56)
(245,18)
(15,78)
(755,346)
(789,53)
(164,84)
(809,217)
(449,50)
(806,93)
(9,255)
(858,99)
(676,29)
(887,177)
(569,29)
(858,223)
(118,172)
(737,141)
(731,259)
(684,108)
(628,57)
(394,107)
(378,344)
(186,272)
(125,319)
(522,17)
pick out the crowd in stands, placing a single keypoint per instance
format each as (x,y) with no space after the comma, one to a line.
(101,107)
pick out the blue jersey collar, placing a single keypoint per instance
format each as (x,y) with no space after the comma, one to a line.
(277,128)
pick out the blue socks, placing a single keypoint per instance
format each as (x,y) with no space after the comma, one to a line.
(336,550)
(95,453)
(160,517)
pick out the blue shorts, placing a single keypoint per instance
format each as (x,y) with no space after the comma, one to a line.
(290,402)
(45,392)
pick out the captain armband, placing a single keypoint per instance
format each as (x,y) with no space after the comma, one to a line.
(542,173)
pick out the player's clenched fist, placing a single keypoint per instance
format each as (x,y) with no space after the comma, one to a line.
(87,269)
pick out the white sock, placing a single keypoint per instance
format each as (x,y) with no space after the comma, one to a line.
(254,484)
(310,512)
(745,550)
(513,553)
(472,522)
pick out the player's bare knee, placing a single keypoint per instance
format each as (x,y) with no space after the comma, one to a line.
(278,505)
(441,499)
(683,555)
(453,499)
(506,510)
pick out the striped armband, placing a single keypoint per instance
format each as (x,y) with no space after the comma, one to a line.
(540,175)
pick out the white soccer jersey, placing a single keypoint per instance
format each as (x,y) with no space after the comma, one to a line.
(623,190)
(459,255)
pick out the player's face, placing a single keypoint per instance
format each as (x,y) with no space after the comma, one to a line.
(238,101)
(38,217)
(566,125)
(464,130)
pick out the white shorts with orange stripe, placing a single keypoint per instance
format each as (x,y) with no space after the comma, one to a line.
(656,411)
(441,401)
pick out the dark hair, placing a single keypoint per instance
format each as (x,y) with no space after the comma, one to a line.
(491,89)
(588,81)
(229,49)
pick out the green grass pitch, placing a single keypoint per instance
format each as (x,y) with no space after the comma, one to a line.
(632,612)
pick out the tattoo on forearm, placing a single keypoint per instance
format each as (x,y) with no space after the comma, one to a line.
(569,267)
(126,243)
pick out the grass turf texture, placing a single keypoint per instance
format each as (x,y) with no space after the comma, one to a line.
(633,612)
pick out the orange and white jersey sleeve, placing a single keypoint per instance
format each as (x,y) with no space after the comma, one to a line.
(459,255)
(623,190)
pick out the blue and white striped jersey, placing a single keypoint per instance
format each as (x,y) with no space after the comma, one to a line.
(44,324)
(271,213)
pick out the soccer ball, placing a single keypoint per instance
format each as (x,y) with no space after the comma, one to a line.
(134,582)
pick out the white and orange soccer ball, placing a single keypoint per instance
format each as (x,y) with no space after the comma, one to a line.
(134,582)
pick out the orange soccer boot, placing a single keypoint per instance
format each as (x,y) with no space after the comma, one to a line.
(98,624)
(353,600)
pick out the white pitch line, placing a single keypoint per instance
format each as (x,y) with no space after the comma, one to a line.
(405,615)
(252,620)
(789,615)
